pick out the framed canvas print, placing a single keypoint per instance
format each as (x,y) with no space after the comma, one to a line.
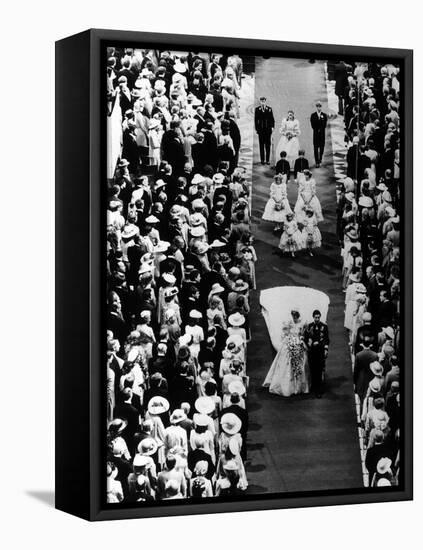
(234,274)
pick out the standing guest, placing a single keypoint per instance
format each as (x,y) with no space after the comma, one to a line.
(264,123)
(317,338)
(318,121)
(362,372)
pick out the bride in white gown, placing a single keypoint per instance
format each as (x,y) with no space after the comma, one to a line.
(290,130)
(289,373)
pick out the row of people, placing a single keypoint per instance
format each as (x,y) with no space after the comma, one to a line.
(369,232)
(180,267)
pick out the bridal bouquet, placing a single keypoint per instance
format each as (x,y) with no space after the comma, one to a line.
(296,355)
(289,135)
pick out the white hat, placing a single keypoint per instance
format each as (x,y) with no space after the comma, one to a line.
(198,231)
(376,368)
(216,288)
(177,416)
(218,178)
(130,230)
(195,314)
(147,446)
(197,178)
(204,405)
(152,219)
(217,244)
(145,267)
(236,386)
(179,67)
(383,482)
(158,405)
(389,331)
(375,385)
(161,246)
(198,204)
(141,460)
(366,202)
(236,319)
(230,423)
(201,419)
(384,465)
(170,291)
(169,278)
(196,219)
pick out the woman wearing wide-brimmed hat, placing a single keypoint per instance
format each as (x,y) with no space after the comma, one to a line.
(376,419)
(230,429)
(202,435)
(232,453)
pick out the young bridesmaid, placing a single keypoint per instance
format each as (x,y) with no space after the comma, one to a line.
(312,237)
(291,238)
(277,207)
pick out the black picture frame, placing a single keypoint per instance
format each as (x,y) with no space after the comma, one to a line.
(80,151)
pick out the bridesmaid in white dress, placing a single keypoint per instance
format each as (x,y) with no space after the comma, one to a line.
(307,198)
(290,130)
(289,372)
(277,207)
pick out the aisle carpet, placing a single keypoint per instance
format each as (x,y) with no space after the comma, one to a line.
(299,443)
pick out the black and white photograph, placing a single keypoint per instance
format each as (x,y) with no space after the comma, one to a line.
(254,211)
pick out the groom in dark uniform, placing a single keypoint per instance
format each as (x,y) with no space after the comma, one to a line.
(318,121)
(318,345)
(264,123)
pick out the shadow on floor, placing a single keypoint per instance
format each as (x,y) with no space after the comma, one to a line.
(46,497)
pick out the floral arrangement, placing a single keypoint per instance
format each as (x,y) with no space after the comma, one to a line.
(296,354)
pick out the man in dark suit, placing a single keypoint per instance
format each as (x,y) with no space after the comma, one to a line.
(264,123)
(318,346)
(318,121)
(126,410)
(362,373)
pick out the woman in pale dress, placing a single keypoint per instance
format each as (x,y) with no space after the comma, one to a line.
(277,207)
(289,372)
(291,239)
(312,237)
(290,130)
(307,197)
(194,329)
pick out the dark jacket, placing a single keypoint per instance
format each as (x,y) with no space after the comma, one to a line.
(318,124)
(362,373)
(300,165)
(264,121)
(283,167)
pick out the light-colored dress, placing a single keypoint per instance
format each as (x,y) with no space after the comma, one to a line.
(307,197)
(277,206)
(289,372)
(312,237)
(291,238)
(290,145)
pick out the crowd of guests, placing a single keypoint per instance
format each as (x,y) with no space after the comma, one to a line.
(369,201)
(180,265)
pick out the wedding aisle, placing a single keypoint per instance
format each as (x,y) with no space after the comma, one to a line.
(299,443)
